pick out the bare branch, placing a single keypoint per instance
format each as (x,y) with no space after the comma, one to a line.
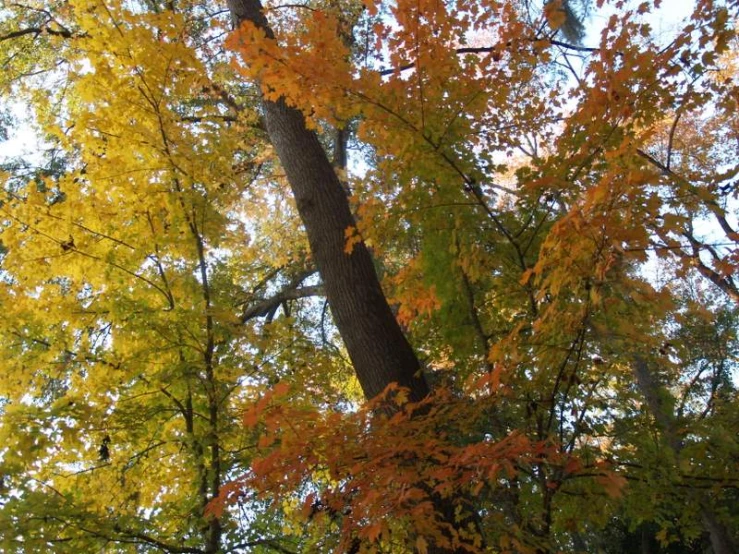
(490,49)
(264,307)
(36,31)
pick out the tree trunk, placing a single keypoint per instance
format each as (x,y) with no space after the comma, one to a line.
(376,345)
(657,402)
(379,351)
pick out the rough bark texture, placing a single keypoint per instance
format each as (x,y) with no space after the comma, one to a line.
(376,345)
(378,349)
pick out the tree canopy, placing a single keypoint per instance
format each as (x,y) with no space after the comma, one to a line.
(369,277)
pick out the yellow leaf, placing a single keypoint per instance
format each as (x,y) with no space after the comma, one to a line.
(401,397)
(352,236)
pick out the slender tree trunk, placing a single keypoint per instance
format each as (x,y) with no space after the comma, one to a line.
(645,536)
(658,402)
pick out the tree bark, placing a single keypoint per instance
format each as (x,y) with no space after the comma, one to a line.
(378,349)
(376,345)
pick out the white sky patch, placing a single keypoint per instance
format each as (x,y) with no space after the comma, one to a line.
(665,20)
(22,139)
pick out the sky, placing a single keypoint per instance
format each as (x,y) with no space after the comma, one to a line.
(23,141)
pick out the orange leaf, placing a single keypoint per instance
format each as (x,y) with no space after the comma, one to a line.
(251,417)
(373,531)
(554,14)
(352,236)
(613,483)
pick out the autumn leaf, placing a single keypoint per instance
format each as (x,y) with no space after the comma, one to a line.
(352,238)
(613,483)
(555,14)
(550,276)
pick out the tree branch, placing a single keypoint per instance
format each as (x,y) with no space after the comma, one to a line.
(489,49)
(264,307)
(36,31)
(270,543)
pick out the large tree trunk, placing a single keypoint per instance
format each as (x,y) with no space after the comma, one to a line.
(376,345)
(379,350)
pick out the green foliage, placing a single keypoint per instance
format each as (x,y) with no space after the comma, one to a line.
(553,225)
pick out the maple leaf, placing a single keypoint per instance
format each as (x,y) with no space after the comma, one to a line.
(506,324)
(555,14)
